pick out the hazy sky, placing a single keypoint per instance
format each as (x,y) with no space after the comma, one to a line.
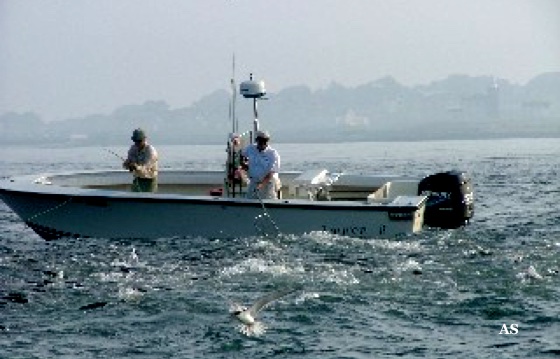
(73,58)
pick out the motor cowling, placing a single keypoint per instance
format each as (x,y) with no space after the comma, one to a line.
(450,199)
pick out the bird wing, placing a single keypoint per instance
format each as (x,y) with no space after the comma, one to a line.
(263,301)
(233,307)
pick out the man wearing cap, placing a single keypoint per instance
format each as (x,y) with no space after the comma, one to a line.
(142,161)
(264,164)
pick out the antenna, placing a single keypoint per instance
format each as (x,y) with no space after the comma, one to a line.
(255,90)
(232,111)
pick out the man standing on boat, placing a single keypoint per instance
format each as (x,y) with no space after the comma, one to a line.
(142,161)
(264,164)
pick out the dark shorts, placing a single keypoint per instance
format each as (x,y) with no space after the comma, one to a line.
(144,185)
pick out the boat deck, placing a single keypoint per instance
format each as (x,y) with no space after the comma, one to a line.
(316,185)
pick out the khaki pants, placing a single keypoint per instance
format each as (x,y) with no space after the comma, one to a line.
(144,184)
(269,191)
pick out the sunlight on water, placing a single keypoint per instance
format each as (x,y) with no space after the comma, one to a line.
(307,296)
(257,265)
(340,277)
(130,294)
(396,245)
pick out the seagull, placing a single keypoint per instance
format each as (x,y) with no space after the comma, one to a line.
(247,316)
(529,274)
(532,273)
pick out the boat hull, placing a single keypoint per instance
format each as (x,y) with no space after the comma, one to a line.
(71,209)
(151,216)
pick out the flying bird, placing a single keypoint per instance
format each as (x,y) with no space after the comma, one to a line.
(250,326)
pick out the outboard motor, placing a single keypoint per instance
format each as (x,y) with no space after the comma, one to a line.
(450,199)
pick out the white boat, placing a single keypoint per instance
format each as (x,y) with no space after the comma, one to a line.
(212,204)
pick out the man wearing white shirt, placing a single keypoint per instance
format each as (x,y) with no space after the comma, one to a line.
(264,164)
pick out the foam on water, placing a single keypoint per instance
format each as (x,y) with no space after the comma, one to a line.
(130,294)
(257,265)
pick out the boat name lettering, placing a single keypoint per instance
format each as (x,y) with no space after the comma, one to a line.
(355,230)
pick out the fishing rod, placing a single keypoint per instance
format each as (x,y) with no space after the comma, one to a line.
(115,154)
(121,158)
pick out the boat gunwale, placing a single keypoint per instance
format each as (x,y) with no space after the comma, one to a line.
(28,185)
(222,201)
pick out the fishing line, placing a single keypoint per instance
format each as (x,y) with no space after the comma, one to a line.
(42,213)
(58,206)
(265,214)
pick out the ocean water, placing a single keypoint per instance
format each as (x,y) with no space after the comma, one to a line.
(437,294)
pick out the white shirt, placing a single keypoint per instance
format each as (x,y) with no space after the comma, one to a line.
(261,162)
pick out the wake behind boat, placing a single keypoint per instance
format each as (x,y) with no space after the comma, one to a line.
(213,204)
